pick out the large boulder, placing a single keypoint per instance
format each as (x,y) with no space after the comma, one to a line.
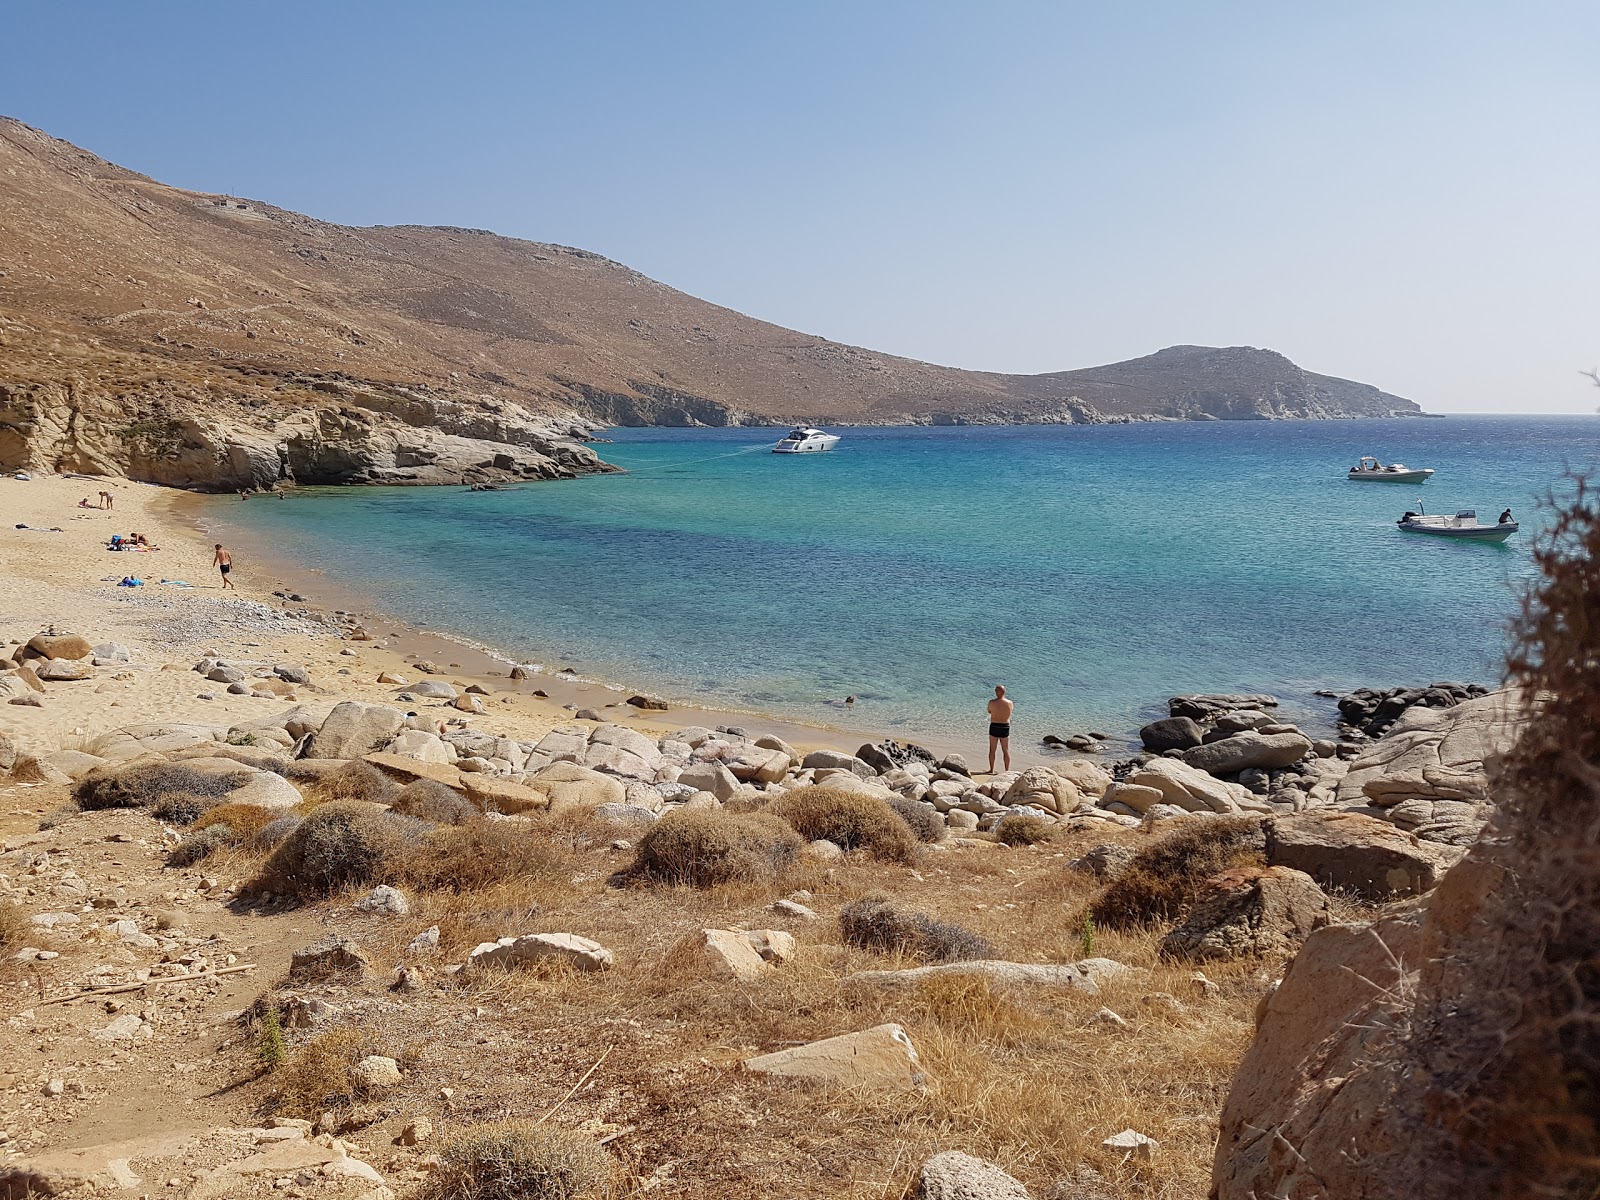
(1258,912)
(506,795)
(838,760)
(572,786)
(1432,755)
(354,729)
(1320,1078)
(1171,733)
(1192,789)
(1248,749)
(265,790)
(1041,787)
(133,741)
(58,646)
(1352,852)
(420,744)
(61,670)
(710,777)
(881,1057)
(1089,778)
(619,750)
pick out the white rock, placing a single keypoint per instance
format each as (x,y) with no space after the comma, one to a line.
(578,952)
(377,1071)
(386,900)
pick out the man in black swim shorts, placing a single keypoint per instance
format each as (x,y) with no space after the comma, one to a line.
(223,561)
(1000,726)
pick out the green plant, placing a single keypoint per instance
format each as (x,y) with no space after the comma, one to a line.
(518,1160)
(270,1051)
(704,847)
(877,923)
(1086,936)
(242,739)
(850,820)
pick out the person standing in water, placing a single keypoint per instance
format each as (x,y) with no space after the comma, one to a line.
(1000,726)
(223,561)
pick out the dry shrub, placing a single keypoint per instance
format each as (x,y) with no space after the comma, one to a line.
(353,780)
(1166,876)
(430,800)
(319,1075)
(1513,1007)
(877,923)
(705,847)
(849,820)
(275,831)
(244,821)
(1025,829)
(150,784)
(479,855)
(923,819)
(198,844)
(342,843)
(14,927)
(518,1160)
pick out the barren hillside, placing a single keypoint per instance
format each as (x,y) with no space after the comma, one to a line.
(126,304)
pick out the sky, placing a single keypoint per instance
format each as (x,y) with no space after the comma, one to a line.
(1396,191)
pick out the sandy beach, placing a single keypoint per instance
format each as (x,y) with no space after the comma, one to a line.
(61,575)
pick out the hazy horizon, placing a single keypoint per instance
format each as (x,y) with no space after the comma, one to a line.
(1395,193)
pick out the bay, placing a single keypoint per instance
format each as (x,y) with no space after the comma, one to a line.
(1094,570)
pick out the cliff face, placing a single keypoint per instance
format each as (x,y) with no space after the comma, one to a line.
(227,317)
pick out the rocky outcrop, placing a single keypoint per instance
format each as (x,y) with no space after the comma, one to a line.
(316,432)
(1250,912)
(1429,773)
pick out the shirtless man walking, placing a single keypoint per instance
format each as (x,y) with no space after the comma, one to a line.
(1000,726)
(223,561)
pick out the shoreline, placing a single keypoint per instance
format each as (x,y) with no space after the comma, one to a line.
(476,661)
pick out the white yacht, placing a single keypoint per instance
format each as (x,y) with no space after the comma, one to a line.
(1371,468)
(1464,524)
(804,440)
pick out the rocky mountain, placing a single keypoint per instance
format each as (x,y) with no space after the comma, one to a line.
(207,340)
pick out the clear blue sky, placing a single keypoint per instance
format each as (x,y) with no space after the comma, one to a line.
(1398,191)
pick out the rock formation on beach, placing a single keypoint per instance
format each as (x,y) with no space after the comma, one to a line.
(204,340)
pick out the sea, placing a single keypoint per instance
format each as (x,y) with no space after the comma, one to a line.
(1094,570)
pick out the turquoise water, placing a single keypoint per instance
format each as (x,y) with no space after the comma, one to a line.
(1094,570)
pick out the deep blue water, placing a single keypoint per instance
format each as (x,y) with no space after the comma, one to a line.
(1092,569)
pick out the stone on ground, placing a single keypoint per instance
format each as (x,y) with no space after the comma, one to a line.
(579,953)
(952,1175)
(1250,911)
(880,1057)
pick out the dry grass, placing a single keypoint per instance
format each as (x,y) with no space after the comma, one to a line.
(1027,1078)
(1166,876)
(319,1076)
(244,821)
(14,927)
(705,847)
(1023,830)
(849,820)
(351,781)
(483,855)
(518,1160)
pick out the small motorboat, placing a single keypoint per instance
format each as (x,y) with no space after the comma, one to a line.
(1371,468)
(1464,524)
(804,440)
